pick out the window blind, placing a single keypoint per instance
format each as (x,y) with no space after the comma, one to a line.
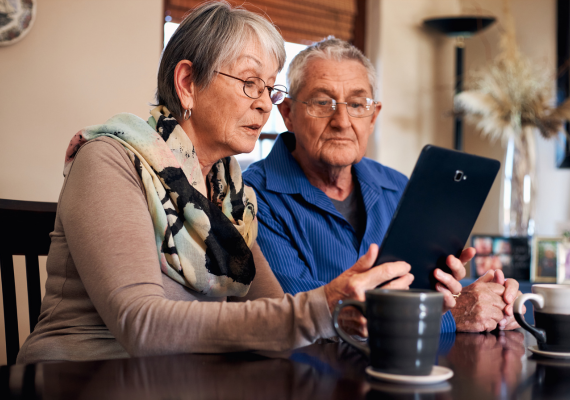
(299,21)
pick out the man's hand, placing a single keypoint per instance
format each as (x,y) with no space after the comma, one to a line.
(480,306)
(449,283)
(353,282)
(509,297)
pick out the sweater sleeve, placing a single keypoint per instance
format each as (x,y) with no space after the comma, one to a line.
(110,237)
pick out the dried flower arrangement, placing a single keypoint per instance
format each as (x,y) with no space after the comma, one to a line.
(508,101)
(512,94)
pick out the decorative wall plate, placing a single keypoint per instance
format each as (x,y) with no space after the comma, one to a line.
(16,19)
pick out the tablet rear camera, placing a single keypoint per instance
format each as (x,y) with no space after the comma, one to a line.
(459,175)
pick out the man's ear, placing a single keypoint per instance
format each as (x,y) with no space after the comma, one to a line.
(185,87)
(375,115)
(285,109)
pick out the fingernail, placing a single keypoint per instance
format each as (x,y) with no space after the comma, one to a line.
(503,322)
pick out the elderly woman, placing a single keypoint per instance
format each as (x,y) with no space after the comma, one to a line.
(154,248)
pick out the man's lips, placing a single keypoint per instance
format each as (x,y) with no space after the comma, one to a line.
(340,139)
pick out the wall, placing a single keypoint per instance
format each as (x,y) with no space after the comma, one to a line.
(416,79)
(82,62)
(416,70)
(553,188)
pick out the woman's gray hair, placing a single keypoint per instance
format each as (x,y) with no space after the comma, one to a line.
(212,36)
(330,48)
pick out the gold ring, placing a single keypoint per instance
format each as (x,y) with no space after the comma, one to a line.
(456,295)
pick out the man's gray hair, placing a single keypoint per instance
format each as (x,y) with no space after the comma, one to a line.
(213,36)
(330,48)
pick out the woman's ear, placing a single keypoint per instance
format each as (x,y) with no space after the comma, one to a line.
(185,88)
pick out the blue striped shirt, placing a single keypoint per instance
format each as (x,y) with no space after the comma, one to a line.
(306,241)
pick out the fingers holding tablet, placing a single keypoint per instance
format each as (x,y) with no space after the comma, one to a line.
(448,281)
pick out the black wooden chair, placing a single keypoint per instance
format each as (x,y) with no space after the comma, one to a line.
(24,230)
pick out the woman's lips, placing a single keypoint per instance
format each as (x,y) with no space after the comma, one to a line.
(253,128)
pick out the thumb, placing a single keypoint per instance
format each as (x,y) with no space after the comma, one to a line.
(366,262)
(488,277)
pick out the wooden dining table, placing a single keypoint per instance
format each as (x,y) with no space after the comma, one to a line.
(494,365)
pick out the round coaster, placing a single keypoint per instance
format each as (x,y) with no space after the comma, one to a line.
(549,354)
(438,374)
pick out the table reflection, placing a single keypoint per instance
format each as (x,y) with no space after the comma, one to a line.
(492,361)
(318,372)
(551,379)
(486,366)
(389,391)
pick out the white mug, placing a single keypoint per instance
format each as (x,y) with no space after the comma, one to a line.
(551,315)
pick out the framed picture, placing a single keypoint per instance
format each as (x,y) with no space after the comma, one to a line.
(563,275)
(509,254)
(545,259)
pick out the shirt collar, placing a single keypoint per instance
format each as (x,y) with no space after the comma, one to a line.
(375,178)
(284,174)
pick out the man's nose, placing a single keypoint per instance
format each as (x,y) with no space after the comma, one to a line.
(340,118)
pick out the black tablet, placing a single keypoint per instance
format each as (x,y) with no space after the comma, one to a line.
(437,211)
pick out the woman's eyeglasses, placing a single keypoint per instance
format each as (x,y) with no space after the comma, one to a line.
(253,88)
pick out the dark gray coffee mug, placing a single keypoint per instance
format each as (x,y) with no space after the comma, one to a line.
(403,329)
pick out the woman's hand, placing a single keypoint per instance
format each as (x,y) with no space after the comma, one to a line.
(353,282)
(449,283)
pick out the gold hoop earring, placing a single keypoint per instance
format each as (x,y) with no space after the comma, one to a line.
(187,114)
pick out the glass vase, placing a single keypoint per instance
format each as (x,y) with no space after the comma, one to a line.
(519,184)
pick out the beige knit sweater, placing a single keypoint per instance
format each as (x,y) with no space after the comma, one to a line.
(107,298)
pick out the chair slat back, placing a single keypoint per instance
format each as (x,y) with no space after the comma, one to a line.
(24,230)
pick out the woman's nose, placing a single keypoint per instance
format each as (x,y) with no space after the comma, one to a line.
(264,102)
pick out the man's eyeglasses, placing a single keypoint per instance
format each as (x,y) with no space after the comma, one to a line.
(253,88)
(358,107)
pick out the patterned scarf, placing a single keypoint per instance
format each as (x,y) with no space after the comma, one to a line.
(202,244)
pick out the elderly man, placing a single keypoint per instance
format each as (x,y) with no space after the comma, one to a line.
(322,205)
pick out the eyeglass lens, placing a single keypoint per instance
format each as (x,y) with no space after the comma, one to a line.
(277,95)
(254,87)
(355,106)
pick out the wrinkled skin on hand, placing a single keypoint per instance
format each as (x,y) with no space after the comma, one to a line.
(448,284)
(482,306)
(487,304)
(353,282)
(509,296)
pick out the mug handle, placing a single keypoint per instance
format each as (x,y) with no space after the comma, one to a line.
(360,306)
(538,301)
